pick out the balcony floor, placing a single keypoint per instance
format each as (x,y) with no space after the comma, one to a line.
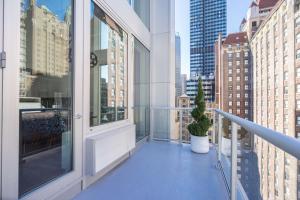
(161,171)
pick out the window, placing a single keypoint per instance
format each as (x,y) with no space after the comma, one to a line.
(298,54)
(246,62)
(238,78)
(286,76)
(246,95)
(238,111)
(286,118)
(238,87)
(230,64)
(298,38)
(230,95)
(229,78)
(230,103)
(246,103)
(246,70)
(238,54)
(229,55)
(298,72)
(230,111)
(142,9)
(230,71)
(286,104)
(246,87)
(246,78)
(298,104)
(297,21)
(109,77)
(298,121)
(238,63)
(298,88)
(238,103)
(286,90)
(238,95)
(246,54)
(246,111)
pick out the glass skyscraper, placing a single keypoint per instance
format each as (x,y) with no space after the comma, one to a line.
(207,19)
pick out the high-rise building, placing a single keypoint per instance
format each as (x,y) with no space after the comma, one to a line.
(234,75)
(178,67)
(208,84)
(183,83)
(257,12)
(207,20)
(276,72)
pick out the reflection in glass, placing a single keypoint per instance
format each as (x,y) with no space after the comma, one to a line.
(141,90)
(142,9)
(108,69)
(45,92)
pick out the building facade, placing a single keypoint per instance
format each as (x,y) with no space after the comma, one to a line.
(208,84)
(178,83)
(207,20)
(276,72)
(234,75)
(257,12)
(76,95)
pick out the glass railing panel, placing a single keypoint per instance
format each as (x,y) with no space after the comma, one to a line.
(142,122)
(226,150)
(267,172)
(247,165)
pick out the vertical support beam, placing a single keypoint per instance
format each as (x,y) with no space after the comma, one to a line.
(151,123)
(233,161)
(180,126)
(220,133)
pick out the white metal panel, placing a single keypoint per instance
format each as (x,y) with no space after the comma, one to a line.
(1,49)
(105,148)
(10,120)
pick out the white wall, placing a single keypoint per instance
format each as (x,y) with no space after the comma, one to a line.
(163,65)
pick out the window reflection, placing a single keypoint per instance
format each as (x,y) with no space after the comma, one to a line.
(108,69)
(45,92)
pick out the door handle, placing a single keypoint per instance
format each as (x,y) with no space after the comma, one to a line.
(77,116)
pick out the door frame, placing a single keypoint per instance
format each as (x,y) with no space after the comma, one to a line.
(1,96)
(10,138)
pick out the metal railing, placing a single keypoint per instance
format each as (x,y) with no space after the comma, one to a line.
(231,146)
(286,143)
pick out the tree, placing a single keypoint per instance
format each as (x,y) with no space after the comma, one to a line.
(201,122)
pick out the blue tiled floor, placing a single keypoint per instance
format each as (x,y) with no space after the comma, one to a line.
(161,171)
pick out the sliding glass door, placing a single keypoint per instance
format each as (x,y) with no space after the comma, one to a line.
(42,98)
(141,90)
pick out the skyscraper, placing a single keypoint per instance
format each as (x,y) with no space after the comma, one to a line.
(207,20)
(178,66)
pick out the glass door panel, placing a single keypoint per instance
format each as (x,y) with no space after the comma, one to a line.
(45,92)
(141,90)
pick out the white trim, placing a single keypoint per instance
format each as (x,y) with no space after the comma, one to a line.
(10,142)
(1,94)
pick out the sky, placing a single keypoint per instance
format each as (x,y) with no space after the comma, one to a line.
(236,11)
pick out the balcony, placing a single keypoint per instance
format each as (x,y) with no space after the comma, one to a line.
(162,170)
(165,167)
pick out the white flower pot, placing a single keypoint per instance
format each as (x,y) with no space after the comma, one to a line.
(199,144)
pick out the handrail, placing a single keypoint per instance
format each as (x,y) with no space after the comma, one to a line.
(286,143)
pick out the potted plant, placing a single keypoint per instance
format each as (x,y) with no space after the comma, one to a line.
(199,127)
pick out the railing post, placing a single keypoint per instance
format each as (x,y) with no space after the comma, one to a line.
(233,160)
(214,127)
(180,126)
(151,123)
(220,132)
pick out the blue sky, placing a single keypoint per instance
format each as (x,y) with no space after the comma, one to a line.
(236,10)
